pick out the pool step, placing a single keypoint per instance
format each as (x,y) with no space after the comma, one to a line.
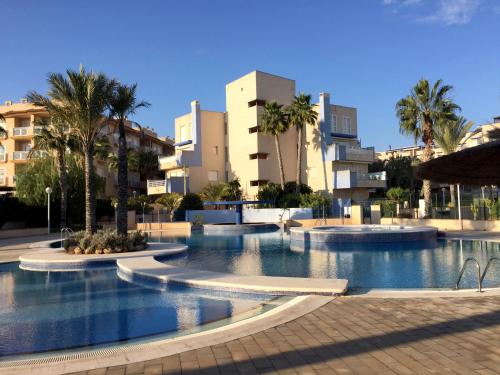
(149,269)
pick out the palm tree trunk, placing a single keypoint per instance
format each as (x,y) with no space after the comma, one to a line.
(280,161)
(299,159)
(63,187)
(121,208)
(452,195)
(90,220)
(426,184)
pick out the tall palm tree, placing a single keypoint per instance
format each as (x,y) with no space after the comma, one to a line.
(55,137)
(83,98)
(275,122)
(122,104)
(448,134)
(301,113)
(418,114)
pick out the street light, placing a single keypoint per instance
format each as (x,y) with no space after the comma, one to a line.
(48,190)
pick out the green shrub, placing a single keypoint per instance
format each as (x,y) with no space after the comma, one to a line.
(191,201)
(289,201)
(105,242)
(290,188)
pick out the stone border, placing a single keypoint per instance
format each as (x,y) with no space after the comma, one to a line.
(348,233)
(228,229)
(148,269)
(56,259)
(125,354)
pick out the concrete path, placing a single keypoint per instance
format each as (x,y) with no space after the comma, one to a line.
(353,335)
(12,248)
(147,268)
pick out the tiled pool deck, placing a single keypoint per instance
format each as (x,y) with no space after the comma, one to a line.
(352,335)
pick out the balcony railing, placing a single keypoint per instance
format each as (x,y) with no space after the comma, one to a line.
(337,152)
(3,157)
(23,131)
(157,187)
(3,180)
(20,155)
(169,162)
(350,179)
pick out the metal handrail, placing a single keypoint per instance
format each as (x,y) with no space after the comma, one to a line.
(479,279)
(491,260)
(66,230)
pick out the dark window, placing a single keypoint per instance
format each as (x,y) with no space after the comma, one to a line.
(226,158)
(259,102)
(259,155)
(258,182)
(254,129)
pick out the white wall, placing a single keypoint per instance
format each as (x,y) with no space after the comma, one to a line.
(275,215)
(212,216)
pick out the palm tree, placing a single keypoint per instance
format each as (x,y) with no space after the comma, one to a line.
(148,164)
(122,104)
(54,136)
(275,122)
(83,97)
(132,161)
(170,201)
(214,192)
(418,114)
(448,134)
(3,132)
(301,113)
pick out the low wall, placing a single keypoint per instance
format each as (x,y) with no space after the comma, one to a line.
(25,232)
(175,226)
(275,215)
(447,224)
(212,216)
(318,222)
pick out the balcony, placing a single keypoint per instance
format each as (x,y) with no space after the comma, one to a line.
(3,157)
(20,155)
(350,179)
(3,180)
(337,152)
(26,131)
(170,162)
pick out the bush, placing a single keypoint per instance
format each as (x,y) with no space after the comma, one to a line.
(317,202)
(105,242)
(270,192)
(191,201)
(290,188)
(289,201)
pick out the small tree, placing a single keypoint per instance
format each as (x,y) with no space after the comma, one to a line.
(398,194)
(214,192)
(170,201)
(233,190)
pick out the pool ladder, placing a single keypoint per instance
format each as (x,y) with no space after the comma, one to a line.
(65,233)
(480,277)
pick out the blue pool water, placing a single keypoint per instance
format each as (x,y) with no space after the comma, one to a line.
(382,265)
(41,311)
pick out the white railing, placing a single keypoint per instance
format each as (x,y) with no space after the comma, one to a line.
(3,180)
(3,157)
(20,155)
(157,187)
(22,131)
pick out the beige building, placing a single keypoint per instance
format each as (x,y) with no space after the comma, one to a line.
(20,125)
(216,146)
(482,134)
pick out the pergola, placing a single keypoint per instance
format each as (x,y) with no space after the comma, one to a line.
(479,165)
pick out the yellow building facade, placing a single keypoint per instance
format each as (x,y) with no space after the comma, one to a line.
(20,123)
(218,147)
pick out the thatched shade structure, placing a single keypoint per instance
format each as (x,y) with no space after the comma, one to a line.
(478,165)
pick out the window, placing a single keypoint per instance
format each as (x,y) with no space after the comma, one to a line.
(213,175)
(347,125)
(25,122)
(2,149)
(216,150)
(334,123)
(258,182)
(226,155)
(258,102)
(259,155)
(182,133)
(254,129)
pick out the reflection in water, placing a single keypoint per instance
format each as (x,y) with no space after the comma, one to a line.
(429,264)
(42,311)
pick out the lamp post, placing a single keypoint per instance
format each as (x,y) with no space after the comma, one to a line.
(143,204)
(48,190)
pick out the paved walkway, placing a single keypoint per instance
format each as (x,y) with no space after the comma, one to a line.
(353,335)
(12,248)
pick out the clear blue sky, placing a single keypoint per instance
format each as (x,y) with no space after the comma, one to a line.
(366,53)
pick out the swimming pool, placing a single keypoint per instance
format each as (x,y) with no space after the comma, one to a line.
(47,311)
(431,264)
